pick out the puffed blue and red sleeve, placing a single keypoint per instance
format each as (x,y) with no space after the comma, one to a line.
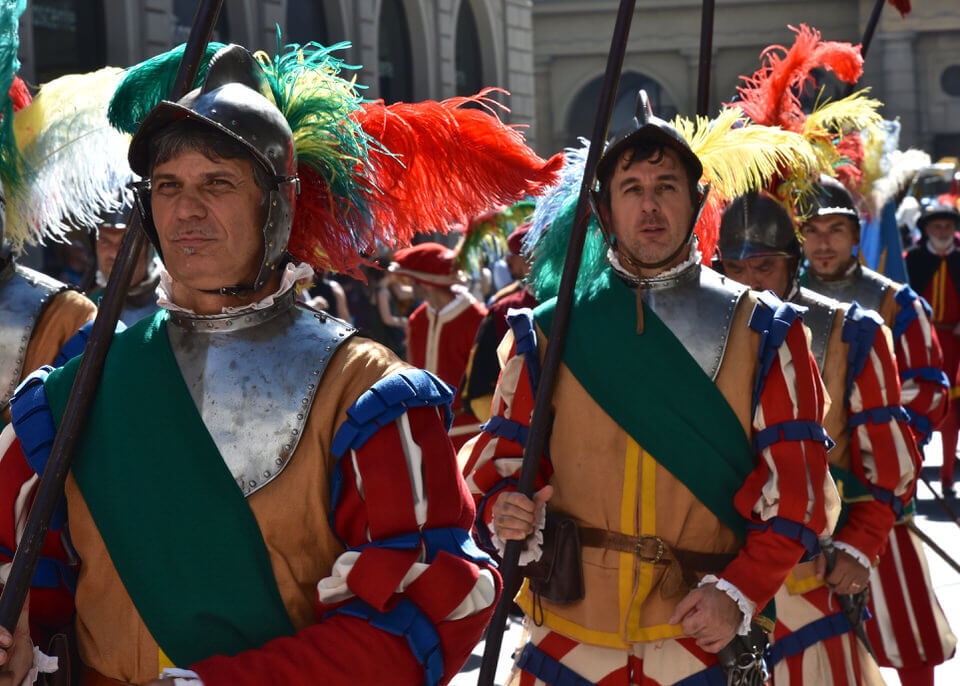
(24,447)
(784,498)
(409,598)
(883,449)
(924,385)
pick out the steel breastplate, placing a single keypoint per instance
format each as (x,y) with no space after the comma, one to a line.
(820,316)
(24,293)
(865,286)
(697,305)
(253,377)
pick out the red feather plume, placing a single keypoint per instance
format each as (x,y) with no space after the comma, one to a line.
(770,96)
(432,166)
(902,6)
(19,94)
(448,163)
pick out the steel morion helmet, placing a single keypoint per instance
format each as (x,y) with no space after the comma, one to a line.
(831,197)
(756,225)
(236,101)
(941,209)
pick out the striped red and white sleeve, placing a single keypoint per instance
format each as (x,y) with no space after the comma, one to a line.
(925,386)
(883,450)
(786,498)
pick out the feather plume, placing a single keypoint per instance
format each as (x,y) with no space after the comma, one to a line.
(771,95)
(552,201)
(77,161)
(485,238)
(737,157)
(904,166)
(19,94)
(146,84)
(448,162)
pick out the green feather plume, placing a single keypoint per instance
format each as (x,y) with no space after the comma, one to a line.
(12,167)
(146,84)
(550,251)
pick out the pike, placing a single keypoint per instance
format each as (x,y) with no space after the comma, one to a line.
(540,421)
(868,32)
(706,58)
(933,546)
(939,499)
(84,390)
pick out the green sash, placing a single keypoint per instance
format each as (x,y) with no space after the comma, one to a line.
(179,532)
(851,489)
(656,392)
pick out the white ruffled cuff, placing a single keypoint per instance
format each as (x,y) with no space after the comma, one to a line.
(747,606)
(42,664)
(182,677)
(532,544)
(854,553)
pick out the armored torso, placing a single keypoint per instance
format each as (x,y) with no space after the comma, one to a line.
(24,293)
(253,376)
(864,285)
(819,318)
(697,304)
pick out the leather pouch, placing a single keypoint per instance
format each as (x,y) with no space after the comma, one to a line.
(558,575)
(60,648)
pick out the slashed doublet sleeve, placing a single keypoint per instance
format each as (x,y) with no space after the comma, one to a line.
(789,498)
(925,386)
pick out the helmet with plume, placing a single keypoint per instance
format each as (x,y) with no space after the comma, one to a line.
(369,175)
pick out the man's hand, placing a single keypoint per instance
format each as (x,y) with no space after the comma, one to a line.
(848,575)
(16,651)
(515,515)
(709,616)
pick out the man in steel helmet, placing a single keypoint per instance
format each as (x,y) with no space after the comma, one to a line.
(259,495)
(829,237)
(933,267)
(141,300)
(659,395)
(873,462)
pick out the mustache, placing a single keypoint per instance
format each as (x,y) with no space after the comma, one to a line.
(194,232)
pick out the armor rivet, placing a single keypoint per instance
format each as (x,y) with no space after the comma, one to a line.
(271,226)
(229,323)
(233,122)
(287,448)
(295,432)
(304,401)
(266,474)
(270,244)
(328,348)
(300,416)
(316,371)
(309,385)
(274,203)
(278,461)
(252,483)
(213,111)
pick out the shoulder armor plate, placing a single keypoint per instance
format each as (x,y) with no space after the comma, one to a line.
(865,286)
(253,378)
(24,293)
(698,307)
(819,318)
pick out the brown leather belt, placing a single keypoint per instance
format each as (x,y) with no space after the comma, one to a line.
(92,677)
(654,550)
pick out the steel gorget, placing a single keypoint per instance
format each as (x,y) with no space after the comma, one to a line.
(24,293)
(819,318)
(253,376)
(864,285)
(697,304)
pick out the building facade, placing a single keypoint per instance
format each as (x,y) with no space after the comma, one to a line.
(409,49)
(913,64)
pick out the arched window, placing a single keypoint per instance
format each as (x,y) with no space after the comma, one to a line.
(306,22)
(468,58)
(584,108)
(394,65)
(68,37)
(183,14)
